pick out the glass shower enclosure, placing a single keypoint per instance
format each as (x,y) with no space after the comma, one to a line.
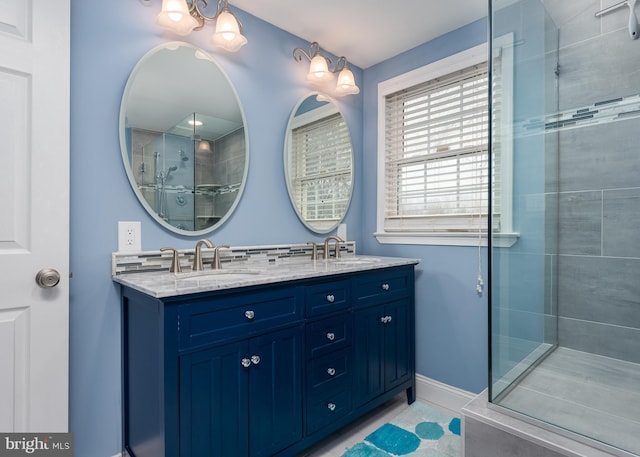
(565,238)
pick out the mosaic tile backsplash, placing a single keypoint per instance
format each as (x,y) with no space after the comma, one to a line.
(149,261)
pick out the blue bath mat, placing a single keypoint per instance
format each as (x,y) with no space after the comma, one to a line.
(419,431)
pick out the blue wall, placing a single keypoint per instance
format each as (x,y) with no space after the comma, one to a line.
(106,43)
(451,328)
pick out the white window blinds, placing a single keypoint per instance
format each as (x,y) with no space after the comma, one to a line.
(321,169)
(436,154)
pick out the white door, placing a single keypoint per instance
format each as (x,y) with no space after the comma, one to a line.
(34,214)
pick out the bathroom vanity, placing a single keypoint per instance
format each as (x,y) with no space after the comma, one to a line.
(263,362)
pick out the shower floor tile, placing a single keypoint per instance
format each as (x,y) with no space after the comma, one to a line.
(592,395)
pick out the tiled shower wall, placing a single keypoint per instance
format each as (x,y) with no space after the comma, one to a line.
(598,280)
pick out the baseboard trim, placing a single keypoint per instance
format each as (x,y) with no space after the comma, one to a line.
(441,394)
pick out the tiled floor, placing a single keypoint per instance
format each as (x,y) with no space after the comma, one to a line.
(337,444)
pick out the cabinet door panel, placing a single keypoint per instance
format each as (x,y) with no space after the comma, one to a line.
(275,412)
(398,348)
(368,354)
(214,402)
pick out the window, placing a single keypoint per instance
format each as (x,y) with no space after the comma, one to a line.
(320,169)
(433,153)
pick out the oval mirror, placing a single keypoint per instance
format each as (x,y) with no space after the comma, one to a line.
(318,162)
(183,139)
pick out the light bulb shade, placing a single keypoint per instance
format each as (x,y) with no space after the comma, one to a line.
(346,83)
(319,70)
(175,17)
(204,146)
(227,35)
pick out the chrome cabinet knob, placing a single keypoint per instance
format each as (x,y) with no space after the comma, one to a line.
(331,298)
(331,406)
(47,278)
(331,336)
(255,359)
(386,319)
(250,315)
(245,362)
(331,371)
(384,286)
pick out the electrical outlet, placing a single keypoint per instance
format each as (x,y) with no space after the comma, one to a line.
(342,231)
(129,236)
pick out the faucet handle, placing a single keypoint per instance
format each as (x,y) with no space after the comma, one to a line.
(215,265)
(314,252)
(337,247)
(175,260)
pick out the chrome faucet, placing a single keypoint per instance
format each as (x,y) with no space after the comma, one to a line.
(216,257)
(338,240)
(197,257)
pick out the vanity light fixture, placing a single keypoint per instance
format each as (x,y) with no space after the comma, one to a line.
(183,16)
(320,73)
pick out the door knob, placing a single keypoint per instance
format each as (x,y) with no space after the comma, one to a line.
(47,277)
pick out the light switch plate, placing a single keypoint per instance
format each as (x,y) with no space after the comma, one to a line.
(129,236)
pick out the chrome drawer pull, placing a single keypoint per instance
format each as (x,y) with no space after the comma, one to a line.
(250,315)
(331,371)
(385,286)
(245,362)
(331,406)
(331,298)
(389,318)
(331,336)
(255,359)
(386,319)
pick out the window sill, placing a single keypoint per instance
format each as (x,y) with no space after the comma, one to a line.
(446,238)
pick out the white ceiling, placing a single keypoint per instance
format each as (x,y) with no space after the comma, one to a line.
(366,31)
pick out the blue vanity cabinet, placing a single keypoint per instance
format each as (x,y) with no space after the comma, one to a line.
(264,370)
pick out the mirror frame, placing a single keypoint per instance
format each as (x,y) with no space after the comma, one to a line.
(123,140)
(287,149)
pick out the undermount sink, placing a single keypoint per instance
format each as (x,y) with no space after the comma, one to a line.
(356,260)
(217,275)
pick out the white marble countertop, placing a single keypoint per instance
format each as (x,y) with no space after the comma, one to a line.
(164,284)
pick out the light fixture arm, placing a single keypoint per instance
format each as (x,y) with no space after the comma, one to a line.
(196,12)
(314,50)
(341,64)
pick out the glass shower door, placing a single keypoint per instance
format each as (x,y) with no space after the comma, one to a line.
(524,249)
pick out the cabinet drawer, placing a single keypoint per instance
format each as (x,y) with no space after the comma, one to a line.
(383,284)
(212,320)
(324,409)
(330,372)
(327,297)
(328,335)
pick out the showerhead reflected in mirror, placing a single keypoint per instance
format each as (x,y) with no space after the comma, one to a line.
(183,139)
(318,161)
